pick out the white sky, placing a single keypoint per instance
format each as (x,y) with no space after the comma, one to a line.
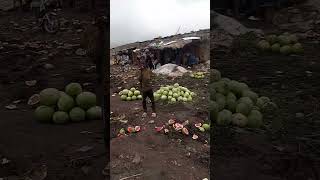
(139,20)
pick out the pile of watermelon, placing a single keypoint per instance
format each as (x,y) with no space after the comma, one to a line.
(173,93)
(197,75)
(131,94)
(285,44)
(73,105)
(233,102)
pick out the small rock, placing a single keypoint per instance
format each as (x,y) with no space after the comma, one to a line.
(299,115)
(80,52)
(31,83)
(48,66)
(5,161)
(85,169)
(85,148)
(11,107)
(151,122)
(137,159)
(90,69)
(16,102)
(86,84)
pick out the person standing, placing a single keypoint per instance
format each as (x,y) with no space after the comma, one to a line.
(146,88)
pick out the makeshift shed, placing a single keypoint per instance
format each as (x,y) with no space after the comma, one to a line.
(176,51)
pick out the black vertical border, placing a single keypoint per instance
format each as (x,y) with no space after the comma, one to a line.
(211,161)
(105,87)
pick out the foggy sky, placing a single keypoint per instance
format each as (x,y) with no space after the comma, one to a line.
(139,20)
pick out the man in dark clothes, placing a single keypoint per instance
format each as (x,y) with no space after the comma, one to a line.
(149,62)
(146,88)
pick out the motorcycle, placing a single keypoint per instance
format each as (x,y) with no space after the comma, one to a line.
(47,18)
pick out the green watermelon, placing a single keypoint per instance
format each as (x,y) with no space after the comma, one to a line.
(49,96)
(239,119)
(255,119)
(272,39)
(215,75)
(231,105)
(65,103)
(252,95)
(264,45)
(221,102)
(243,108)
(231,96)
(86,100)
(213,110)
(247,101)
(136,92)
(293,38)
(262,101)
(77,114)
(224,117)
(60,117)
(44,113)
(284,40)
(139,97)
(285,50)
(125,92)
(275,47)
(123,97)
(297,48)
(206,127)
(94,113)
(73,89)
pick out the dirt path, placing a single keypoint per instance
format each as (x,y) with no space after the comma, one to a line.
(73,151)
(153,154)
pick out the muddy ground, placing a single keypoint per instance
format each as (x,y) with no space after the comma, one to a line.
(288,148)
(72,151)
(153,155)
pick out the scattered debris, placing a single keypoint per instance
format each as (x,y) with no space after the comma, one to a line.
(195,137)
(136,175)
(171,70)
(37,173)
(80,52)
(34,99)
(17,101)
(85,169)
(5,161)
(31,83)
(48,66)
(11,107)
(137,159)
(85,148)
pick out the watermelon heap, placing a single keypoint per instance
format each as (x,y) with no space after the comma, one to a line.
(131,94)
(173,93)
(233,102)
(285,44)
(72,105)
(197,75)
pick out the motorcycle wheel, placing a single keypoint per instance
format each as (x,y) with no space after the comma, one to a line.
(51,24)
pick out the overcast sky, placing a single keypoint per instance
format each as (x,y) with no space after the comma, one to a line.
(139,20)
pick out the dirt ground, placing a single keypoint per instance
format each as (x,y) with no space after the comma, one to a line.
(149,153)
(73,151)
(289,147)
